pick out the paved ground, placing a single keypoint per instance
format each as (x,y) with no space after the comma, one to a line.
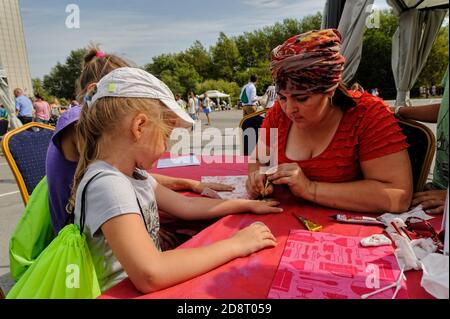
(11,206)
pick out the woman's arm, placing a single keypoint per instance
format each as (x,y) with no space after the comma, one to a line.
(193,208)
(151,270)
(387,186)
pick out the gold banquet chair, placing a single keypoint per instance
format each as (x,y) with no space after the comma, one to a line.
(25,150)
(251,122)
(422,145)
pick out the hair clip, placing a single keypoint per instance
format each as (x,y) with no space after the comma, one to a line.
(100,54)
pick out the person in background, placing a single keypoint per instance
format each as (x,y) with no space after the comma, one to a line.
(375,92)
(55,105)
(433,198)
(333,147)
(42,110)
(197,107)
(4,120)
(248,96)
(24,107)
(181,102)
(191,106)
(207,108)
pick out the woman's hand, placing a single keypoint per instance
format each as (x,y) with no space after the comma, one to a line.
(252,239)
(432,201)
(264,207)
(255,185)
(292,175)
(200,187)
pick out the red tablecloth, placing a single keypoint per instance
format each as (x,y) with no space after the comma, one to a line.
(251,277)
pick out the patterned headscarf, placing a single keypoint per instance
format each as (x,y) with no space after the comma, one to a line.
(308,63)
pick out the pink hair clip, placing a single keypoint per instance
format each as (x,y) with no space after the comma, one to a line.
(100,54)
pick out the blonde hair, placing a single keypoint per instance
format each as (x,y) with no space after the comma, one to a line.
(96,67)
(104,117)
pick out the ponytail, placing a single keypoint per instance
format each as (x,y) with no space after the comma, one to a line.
(96,65)
(88,148)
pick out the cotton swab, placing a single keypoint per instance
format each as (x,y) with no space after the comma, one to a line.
(397,284)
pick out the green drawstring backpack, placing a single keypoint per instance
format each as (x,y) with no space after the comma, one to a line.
(33,233)
(64,270)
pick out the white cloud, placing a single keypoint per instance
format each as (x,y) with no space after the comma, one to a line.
(264,3)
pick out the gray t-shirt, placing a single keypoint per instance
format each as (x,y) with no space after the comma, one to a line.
(110,194)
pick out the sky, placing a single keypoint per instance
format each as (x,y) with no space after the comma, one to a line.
(139,30)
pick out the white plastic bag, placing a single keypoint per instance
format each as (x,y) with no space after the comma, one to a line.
(435,275)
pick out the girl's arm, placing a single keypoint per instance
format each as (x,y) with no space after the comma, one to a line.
(180,184)
(151,270)
(192,208)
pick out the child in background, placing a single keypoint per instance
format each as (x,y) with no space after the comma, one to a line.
(122,133)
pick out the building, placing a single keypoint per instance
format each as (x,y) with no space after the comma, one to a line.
(13,52)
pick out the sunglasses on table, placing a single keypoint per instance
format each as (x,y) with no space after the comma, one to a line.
(423,229)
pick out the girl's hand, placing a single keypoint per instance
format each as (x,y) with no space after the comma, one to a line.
(255,185)
(432,201)
(252,239)
(199,187)
(291,175)
(264,207)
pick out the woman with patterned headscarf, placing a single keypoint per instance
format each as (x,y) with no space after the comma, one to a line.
(334,147)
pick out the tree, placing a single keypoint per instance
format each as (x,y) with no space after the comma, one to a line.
(62,79)
(253,47)
(162,63)
(199,58)
(262,70)
(180,76)
(39,90)
(226,58)
(437,62)
(375,67)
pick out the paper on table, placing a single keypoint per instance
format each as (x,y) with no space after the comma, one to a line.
(238,182)
(188,160)
(329,266)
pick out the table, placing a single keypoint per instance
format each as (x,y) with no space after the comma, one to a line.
(251,277)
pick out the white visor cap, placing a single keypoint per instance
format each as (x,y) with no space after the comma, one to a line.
(137,83)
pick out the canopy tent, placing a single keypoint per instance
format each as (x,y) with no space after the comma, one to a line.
(6,100)
(412,43)
(217,95)
(349,17)
(419,23)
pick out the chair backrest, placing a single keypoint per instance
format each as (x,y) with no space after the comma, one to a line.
(422,145)
(251,122)
(25,149)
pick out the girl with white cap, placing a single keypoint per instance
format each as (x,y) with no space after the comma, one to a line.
(122,133)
